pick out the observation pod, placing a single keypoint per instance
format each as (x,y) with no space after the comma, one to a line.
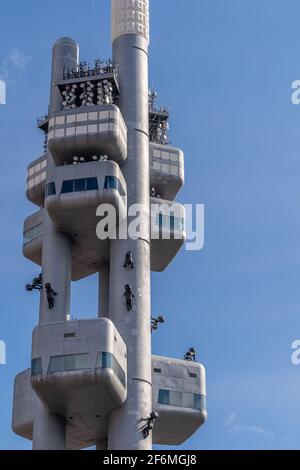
(36,179)
(74,192)
(87,131)
(23,400)
(79,371)
(167,232)
(166,173)
(179,396)
(166,170)
(33,237)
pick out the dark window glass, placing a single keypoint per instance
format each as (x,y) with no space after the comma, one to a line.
(68,363)
(50,189)
(92,184)
(164,397)
(36,367)
(107,182)
(160,220)
(106,360)
(56,364)
(115,183)
(111,182)
(33,234)
(80,185)
(182,399)
(67,187)
(200,402)
(157,371)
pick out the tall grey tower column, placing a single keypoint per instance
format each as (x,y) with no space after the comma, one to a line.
(49,429)
(130,34)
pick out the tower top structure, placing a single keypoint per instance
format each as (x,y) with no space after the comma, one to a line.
(130,17)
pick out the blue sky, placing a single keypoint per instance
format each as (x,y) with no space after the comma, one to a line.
(226,68)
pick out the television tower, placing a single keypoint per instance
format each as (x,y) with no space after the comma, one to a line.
(106,151)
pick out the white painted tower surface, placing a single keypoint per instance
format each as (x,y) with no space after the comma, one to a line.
(95,381)
(130,17)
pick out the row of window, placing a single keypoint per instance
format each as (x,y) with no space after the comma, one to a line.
(85,129)
(163,221)
(79,185)
(165,167)
(33,234)
(111,182)
(85,184)
(34,181)
(106,360)
(83,117)
(37,168)
(73,362)
(172,223)
(182,399)
(166,156)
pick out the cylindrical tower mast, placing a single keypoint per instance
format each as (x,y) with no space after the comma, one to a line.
(49,429)
(130,35)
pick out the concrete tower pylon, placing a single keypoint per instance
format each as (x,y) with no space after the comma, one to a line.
(130,52)
(48,428)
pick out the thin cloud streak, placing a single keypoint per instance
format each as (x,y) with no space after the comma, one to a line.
(15,61)
(233,426)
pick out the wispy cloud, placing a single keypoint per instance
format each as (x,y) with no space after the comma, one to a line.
(15,60)
(18,60)
(93,4)
(234,426)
